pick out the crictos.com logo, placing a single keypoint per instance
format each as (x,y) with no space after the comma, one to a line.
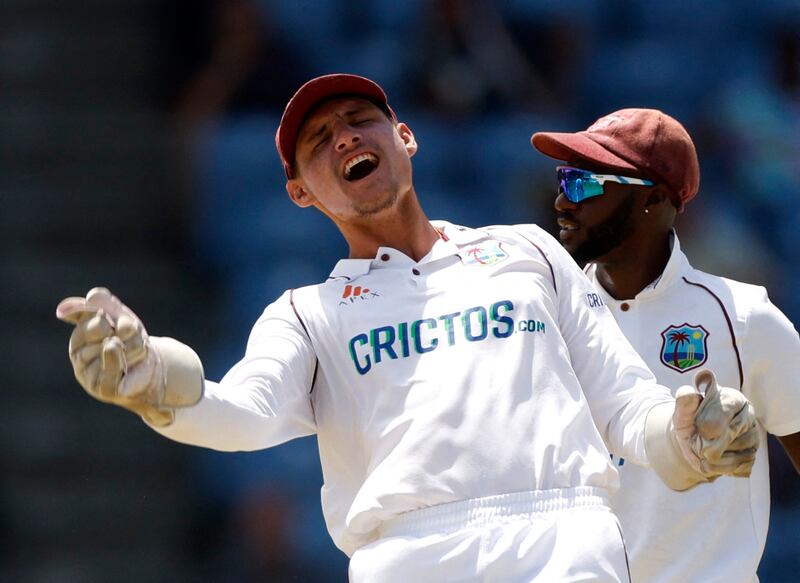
(353,294)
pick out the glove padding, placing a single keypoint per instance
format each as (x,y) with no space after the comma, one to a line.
(116,361)
(727,436)
(705,436)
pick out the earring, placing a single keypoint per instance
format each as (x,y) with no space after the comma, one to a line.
(646,211)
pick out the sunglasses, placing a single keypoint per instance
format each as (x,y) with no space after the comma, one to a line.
(578,185)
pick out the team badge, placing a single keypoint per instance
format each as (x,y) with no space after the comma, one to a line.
(684,346)
(487,254)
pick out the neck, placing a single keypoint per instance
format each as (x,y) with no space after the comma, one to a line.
(626,271)
(404,227)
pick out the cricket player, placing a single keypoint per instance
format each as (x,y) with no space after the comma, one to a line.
(465,385)
(623,182)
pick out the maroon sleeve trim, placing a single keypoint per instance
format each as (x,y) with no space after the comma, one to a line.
(730,327)
(299,319)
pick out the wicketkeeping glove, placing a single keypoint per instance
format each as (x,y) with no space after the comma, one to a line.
(704,436)
(116,361)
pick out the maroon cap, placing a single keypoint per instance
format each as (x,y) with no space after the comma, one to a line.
(643,140)
(312,93)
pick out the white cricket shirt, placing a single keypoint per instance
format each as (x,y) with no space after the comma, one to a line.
(687,320)
(463,375)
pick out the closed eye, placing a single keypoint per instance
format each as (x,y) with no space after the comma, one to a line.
(322,141)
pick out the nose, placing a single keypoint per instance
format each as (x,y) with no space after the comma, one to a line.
(562,203)
(346,137)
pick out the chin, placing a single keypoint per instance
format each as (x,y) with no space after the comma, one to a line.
(375,207)
(568,241)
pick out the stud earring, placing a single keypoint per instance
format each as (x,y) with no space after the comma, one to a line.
(646,211)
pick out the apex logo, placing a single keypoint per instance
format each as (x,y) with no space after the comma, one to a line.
(352,294)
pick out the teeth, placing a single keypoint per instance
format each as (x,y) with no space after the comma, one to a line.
(360,158)
(567,225)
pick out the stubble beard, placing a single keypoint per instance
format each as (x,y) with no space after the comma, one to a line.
(368,210)
(603,238)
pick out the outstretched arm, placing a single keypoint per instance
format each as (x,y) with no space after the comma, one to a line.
(264,400)
(116,361)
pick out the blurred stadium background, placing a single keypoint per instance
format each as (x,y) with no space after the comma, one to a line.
(137,153)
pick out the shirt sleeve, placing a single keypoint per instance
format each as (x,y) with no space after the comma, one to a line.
(771,362)
(264,400)
(618,385)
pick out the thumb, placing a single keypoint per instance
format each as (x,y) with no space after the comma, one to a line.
(706,383)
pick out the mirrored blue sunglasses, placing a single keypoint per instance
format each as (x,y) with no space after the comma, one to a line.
(578,185)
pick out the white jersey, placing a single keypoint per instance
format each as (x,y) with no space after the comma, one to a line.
(713,533)
(474,372)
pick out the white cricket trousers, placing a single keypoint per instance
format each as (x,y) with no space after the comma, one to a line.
(545,536)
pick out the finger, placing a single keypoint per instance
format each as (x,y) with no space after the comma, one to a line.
(94,329)
(725,411)
(750,439)
(687,402)
(87,376)
(744,420)
(135,351)
(128,327)
(73,310)
(712,426)
(718,449)
(112,368)
(725,424)
(100,297)
(141,378)
(719,454)
(733,462)
(743,471)
(89,352)
(132,334)
(80,367)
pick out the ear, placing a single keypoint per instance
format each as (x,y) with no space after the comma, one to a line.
(408,138)
(657,195)
(299,195)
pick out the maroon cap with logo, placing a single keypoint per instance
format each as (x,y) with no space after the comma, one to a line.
(312,93)
(644,140)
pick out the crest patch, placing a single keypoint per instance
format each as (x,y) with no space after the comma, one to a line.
(487,253)
(684,346)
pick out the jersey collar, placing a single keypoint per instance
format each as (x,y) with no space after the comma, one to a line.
(677,264)
(454,237)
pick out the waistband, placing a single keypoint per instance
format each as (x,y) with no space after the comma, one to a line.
(477,512)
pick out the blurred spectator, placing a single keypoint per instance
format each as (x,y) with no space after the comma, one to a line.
(257,518)
(757,118)
(755,123)
(225,57)
(468,62)
(257,515)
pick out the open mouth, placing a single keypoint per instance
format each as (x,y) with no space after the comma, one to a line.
(567,224)
(360,166)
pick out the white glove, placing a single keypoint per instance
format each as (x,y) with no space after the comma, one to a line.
(703,436)
(116,361)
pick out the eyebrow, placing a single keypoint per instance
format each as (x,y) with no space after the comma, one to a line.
(356,109)
(313,137)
